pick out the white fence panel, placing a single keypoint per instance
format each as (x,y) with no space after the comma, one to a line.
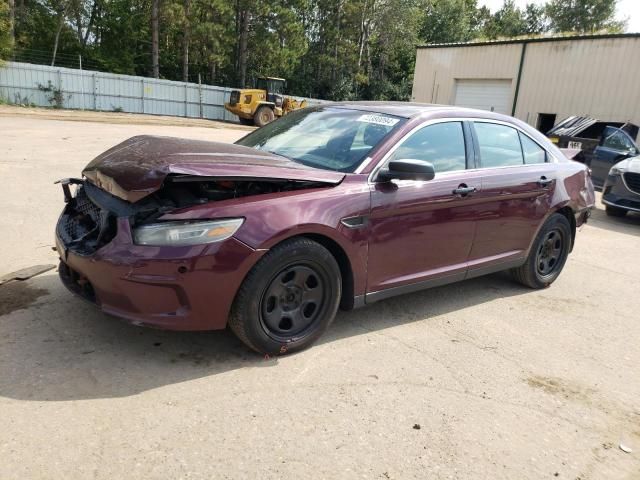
(23,83)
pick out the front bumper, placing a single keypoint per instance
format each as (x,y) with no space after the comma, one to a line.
(176,288)
(616,194)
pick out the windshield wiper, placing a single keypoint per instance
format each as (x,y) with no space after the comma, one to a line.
(280,155)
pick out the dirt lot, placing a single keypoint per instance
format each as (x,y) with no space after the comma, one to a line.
(483,379)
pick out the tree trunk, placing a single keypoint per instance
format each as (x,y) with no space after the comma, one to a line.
(336,41)
(212,68)
(186,38)
(363,26)
(155,48)
(12,21)
(242,54)
(92,18)
(57,40)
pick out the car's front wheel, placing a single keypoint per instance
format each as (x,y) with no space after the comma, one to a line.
(288,299)
(548,254)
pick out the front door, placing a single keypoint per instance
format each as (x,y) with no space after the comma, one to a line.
(421,232)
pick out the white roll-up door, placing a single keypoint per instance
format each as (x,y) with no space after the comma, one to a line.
(484,94)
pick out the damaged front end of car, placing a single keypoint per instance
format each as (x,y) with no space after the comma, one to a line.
(145,232)
(90,217)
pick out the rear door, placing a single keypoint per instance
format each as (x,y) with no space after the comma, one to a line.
(615,146)
(517,187)
(421,232)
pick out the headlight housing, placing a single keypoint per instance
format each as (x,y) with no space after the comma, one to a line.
(186,233)
(616,171)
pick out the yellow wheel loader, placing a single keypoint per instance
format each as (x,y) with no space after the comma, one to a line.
(263,104)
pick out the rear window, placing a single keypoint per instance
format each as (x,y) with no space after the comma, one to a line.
(533,153)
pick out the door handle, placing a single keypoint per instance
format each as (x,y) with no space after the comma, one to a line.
(463,190)
(544,181)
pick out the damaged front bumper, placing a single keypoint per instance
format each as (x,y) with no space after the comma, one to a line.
(179,288)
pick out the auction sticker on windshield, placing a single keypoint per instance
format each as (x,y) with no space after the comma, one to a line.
(378,120)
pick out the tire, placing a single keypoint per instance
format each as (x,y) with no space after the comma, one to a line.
(288,299)
(548,254)
(263,116)
(246,121)
(615,211)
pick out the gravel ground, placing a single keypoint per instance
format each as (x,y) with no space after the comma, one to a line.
(482,379)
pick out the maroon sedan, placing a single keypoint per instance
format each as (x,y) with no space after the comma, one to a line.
(339,205)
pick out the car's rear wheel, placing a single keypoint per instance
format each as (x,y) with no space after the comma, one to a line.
(615,211)
(264,115)
(548,254)
(288,299)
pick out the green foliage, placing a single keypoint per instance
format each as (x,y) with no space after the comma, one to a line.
(583,16)
(535,19)
(448,21)
(332,49)
(509,21)
(6,42)
(55,96)
(21,101)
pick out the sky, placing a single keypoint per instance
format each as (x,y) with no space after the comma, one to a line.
(629,9)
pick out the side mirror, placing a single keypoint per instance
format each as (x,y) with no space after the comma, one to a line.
(407,169)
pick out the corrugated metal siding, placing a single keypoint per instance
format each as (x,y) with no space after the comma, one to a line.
(89,90)
(597,78)
(592,77)
(438,68)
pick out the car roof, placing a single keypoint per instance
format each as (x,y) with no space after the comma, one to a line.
(413,109)
(434,111)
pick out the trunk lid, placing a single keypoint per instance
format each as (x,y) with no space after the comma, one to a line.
(138,166)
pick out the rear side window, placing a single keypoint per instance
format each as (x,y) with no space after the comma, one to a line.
(499,145)
(533,153)
(442,144)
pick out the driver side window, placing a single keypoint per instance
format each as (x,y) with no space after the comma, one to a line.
(442,144)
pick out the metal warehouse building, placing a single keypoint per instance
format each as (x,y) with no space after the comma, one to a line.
(540,81)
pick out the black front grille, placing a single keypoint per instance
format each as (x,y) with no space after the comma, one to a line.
(83,226)
(633,181)
(235,97)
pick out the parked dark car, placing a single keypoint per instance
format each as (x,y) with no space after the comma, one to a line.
(335,205)
(600,144)
(621,192)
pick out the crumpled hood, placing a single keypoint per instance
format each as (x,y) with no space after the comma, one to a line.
(138,166)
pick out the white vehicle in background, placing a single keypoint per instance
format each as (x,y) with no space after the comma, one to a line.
(621,191)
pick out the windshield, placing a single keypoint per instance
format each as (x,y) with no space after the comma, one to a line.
(331,138)
(270,85)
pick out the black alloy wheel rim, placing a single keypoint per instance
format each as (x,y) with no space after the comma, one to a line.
(550,251)
(293,301)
